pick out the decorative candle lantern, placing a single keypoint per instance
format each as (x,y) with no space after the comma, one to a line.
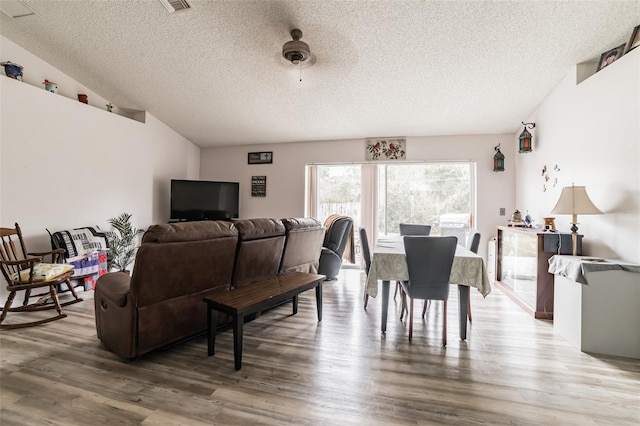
(525,138)
(498,160)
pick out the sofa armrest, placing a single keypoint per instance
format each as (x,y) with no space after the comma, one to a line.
(115,287)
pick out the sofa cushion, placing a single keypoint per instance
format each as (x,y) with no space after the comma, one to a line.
(251,229)
(42,272)
(302,245)
(188,231)
(259,250)
(183,258)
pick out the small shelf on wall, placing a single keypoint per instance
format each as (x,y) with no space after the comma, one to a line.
(587,69)
(135,115)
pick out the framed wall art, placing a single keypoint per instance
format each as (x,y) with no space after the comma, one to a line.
(260,157)
(385,149)
(634,41)
(610,56)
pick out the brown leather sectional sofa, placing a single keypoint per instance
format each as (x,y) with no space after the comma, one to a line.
(178,263)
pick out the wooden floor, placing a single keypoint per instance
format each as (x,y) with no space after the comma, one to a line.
(342,371)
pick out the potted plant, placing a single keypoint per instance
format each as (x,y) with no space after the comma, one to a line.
(123,242)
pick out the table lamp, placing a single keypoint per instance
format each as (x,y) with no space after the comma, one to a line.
(574,201)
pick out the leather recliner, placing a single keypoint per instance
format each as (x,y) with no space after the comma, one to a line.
(337,239)
(161,303)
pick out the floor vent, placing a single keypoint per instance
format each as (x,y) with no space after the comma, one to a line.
(175,5)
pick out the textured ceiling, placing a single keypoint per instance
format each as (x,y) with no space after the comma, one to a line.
(382,68)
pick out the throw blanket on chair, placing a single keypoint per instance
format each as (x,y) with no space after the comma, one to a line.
(350,249)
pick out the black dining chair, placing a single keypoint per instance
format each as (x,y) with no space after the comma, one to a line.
(429,262)
(473,243)
(414,229)
(410,229)
(366,254)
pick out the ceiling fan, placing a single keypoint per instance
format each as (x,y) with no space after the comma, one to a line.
(296,51)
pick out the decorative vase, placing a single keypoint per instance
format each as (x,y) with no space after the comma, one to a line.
(83,98)
(12,70)
(50,86)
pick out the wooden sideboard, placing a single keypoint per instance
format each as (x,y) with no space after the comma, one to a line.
(522,263)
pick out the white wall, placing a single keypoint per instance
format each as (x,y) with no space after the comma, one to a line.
(591,131)
(286,176)
(65,164)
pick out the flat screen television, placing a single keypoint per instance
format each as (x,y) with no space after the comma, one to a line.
(204,200)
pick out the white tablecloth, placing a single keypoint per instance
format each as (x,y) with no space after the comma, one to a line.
(389,263)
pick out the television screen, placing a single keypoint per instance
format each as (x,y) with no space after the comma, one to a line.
(204,200)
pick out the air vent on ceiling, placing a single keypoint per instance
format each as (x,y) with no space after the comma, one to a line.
(175,5)
(15,9)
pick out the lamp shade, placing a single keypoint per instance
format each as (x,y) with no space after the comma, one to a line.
(574,200)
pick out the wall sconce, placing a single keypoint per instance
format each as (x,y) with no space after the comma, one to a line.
(525,138)
(498,160)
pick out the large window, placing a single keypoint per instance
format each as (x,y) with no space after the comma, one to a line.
(339,192)
(439,194)
(381,196)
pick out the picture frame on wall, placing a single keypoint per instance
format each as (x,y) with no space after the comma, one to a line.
(610,56)
(260,157)
(385,149)
(258,186)
(634,41)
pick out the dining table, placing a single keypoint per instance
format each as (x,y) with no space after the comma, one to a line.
(389,263)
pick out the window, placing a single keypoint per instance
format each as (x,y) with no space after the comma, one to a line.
(380,196)
(439,194)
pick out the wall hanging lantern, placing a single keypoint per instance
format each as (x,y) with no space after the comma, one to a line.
(498,160)
(525,138)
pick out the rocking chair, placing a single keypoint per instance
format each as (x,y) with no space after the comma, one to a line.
(25,271)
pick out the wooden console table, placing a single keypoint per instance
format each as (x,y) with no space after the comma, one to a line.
(522,262)
(253,298)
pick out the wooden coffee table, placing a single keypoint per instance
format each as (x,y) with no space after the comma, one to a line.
(256,297)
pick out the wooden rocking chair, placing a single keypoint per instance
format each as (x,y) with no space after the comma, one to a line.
(25,271)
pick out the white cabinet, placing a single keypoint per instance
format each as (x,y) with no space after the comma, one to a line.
(601,315)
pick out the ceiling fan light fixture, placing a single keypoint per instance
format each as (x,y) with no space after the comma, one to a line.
(296,51)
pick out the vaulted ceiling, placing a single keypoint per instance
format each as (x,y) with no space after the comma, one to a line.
(215,73)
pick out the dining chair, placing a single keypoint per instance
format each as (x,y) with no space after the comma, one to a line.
(410,229)
(414,229)
(429,262)
(473,242)
(366,254)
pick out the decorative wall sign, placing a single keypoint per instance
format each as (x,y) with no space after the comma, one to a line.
(385,149)
(258,186)
(260,157)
